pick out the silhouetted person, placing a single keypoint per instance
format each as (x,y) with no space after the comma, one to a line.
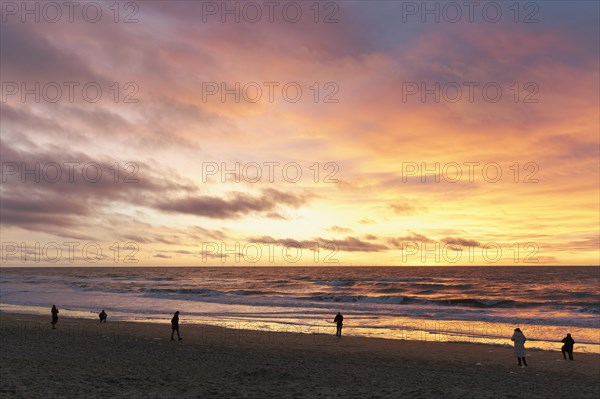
(567,347)
(175,326)
(339,320)
(54,312)
(102,316)
(519,339)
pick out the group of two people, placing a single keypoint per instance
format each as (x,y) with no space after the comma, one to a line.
(339,320)
(519,347)
(102,315)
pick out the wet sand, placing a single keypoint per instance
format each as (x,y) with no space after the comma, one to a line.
(82,358)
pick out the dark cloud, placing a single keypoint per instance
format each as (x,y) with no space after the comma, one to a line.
(276,215)
(352,244)
(201,233)
(348,244)
(150,238)
(71,204)
(83,124)
(412,237)
(68,192)
(463,242)
(237,205)
(349,37)
(162,256)
(184,252)
(28,56)
(220,255)
(19,121)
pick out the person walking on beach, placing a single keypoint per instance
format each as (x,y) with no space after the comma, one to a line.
(567,347)
(54,312)
(175,326)
(339,320)
(102,316)
(519,339)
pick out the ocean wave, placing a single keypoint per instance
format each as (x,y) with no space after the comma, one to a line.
(590,309)
(390,291)
(400,280)
(357,298)
(335,283)
(159,278)
(468,302)
(249,292)
(403,299)
(442,286)
(181,291)
(90,287)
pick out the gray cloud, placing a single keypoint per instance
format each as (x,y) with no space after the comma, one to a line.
(162,256)
(74,202)
(28,56)
(463,242)
(412,237)
(348,244)
(237,205)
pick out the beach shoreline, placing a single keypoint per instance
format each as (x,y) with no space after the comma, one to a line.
(122,359)
(422,330)
(481,305)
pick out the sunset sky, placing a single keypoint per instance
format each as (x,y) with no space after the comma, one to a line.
(356,121)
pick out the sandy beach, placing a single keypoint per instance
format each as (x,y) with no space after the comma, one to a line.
(118,359)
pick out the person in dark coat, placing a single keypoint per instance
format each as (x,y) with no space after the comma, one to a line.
(567,347)
(175,326)
(54,312)
(339,320)
(102,316)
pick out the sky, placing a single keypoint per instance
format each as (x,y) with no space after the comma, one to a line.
(351,133)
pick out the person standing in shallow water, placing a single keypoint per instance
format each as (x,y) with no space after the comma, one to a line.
(567,347)
(339,320)
(175,326)
(54,312)
(519,339)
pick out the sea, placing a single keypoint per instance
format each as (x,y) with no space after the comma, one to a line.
(449,304)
